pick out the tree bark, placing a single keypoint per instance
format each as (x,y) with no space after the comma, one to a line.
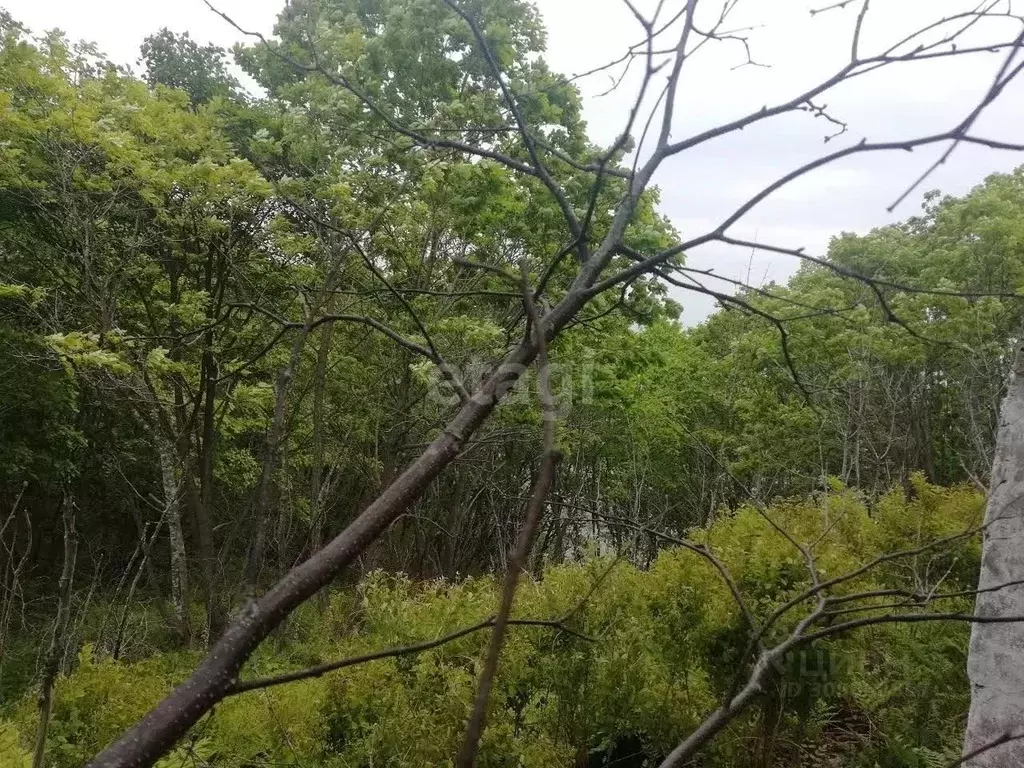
(271,452)
(122,623)
(215,616)
(995,662)
(51,665)
(316,503)
(172,499)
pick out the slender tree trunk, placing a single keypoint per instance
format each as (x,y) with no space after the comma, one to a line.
(391,440)
(152,579)
(215,614)
(51,665)
(123,621)
(859,429)
(214,283)
(12,587)
(171,432)
(285,512)
(172,499)
(271,450)
(995,663)
(316,476)
(768,724)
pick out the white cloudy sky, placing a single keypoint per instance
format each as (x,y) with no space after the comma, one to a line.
(698,189)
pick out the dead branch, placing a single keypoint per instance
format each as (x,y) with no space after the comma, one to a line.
(520,557)
(320,670)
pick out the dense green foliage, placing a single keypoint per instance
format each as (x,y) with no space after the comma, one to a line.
(228,321)
(152,239)
(665,647)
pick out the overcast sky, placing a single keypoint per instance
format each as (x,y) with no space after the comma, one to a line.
(703,186)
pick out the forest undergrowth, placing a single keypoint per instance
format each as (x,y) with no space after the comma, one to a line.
(644,652)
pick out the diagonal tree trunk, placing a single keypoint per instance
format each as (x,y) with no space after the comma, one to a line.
(995,664)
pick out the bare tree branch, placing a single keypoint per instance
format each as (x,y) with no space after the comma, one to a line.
(320,670)
(1002,79)
(474,729)
(540,170)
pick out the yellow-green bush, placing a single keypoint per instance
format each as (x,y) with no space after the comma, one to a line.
(667,642)
(12,755)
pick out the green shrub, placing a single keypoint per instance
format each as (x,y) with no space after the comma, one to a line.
(667,644)
(11,753)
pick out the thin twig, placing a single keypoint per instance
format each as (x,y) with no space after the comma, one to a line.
(320,670)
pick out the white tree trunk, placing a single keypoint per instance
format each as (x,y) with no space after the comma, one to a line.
(172,498)
(995,664)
